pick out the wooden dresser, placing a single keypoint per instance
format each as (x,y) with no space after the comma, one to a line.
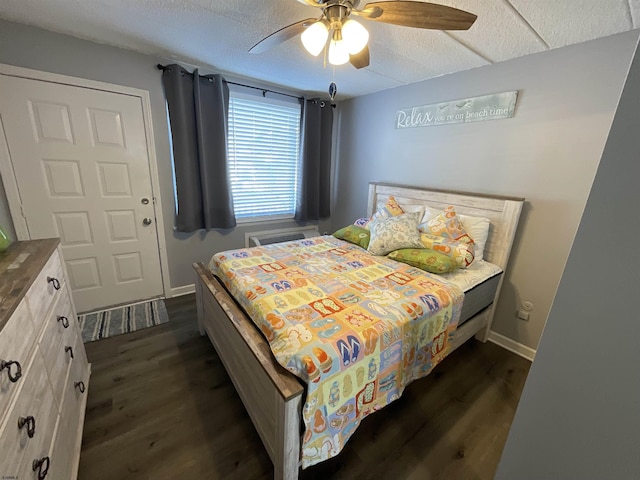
(44,373)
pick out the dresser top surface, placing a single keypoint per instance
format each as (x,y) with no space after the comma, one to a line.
(20,264)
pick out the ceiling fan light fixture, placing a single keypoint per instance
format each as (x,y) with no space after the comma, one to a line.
(314,38)
(355,36)
(338,52)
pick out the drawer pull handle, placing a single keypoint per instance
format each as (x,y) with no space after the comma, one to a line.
(79,386)
(30,423)
(64,321)
(42,466)
(69,350)
(55,282)
(14,377)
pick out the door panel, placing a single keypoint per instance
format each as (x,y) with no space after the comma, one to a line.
(82,167)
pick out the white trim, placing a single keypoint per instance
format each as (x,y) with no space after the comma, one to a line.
(10,182)
(11,188)
(511,345)
(183,290)
(279,231)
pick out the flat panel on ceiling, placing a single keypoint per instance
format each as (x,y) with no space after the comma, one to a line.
(564,22)
(498,33)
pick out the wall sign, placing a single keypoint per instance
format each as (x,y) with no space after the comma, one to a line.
(476,109)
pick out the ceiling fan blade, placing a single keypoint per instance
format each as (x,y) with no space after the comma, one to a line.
(361,59)
(282,35)
(417,14)
(313,3)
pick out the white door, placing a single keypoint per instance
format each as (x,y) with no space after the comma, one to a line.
(81,163)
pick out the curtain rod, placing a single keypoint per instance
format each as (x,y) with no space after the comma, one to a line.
(263,90)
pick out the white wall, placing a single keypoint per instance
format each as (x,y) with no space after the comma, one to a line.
(38,49)
(548,153)
(579,414)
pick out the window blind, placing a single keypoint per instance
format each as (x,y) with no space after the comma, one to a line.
(263,154)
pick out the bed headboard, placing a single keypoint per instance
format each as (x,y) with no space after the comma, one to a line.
(503,212)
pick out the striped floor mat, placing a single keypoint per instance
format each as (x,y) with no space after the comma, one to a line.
(119,320)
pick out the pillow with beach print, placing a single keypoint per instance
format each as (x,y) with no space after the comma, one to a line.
(394,233)
(461,252)
(447,224)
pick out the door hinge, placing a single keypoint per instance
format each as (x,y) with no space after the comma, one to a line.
(24,215)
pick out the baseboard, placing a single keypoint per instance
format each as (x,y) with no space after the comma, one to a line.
(183,290)
(511,345)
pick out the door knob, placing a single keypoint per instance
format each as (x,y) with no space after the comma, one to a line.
(145,201)
(146,221)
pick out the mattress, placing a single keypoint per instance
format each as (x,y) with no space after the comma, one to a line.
(479,283)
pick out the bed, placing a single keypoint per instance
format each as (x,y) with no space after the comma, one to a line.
(273,396)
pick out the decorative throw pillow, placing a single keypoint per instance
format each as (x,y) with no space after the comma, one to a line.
(478,229)
(390,208)
(354,234)
(393,233)
(425,259)
(447,224)
(426,213)
(462,253)
(362,222)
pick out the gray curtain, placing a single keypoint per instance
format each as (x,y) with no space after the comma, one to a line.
(314,192)
(198,108)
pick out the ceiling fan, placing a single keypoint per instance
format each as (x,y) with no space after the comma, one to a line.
(348,38)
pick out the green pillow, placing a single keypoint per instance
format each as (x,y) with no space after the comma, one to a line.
(354,234)
(425,259)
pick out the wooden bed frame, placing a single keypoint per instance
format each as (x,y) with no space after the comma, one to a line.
(273,396)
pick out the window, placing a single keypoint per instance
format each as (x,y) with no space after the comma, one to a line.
(263,155)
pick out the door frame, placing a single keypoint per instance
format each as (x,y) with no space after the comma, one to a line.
(11,184)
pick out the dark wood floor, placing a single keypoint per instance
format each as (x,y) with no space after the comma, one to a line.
(161,406)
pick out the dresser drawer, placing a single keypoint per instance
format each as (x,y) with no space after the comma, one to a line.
(58,343)
(45,289)
(33,406)
(16,344)
(69,430)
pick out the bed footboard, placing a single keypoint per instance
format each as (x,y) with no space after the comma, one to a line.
(271,395)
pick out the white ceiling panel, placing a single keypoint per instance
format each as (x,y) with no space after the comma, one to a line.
(564,22)
(217,34)
(499,33)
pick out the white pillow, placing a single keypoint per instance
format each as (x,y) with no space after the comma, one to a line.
(478,229)
(412,208)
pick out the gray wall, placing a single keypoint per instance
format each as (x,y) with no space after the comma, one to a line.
(579,414)
(38,49)
(548,153)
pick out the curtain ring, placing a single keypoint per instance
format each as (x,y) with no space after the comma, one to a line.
(322,104)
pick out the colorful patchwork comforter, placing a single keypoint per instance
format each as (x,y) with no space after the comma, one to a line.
(355,327)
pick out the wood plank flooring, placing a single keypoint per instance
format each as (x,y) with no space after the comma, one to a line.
(161,406)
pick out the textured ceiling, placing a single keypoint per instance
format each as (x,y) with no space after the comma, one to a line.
(218,33)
